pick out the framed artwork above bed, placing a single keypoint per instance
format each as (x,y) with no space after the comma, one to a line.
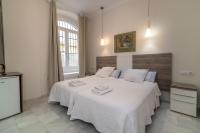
(125,42)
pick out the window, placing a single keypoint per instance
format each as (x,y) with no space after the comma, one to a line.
(68,37)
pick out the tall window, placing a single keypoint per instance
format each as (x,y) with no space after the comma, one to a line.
(68,37)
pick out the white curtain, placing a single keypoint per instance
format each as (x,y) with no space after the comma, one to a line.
(82,46)
(55,70)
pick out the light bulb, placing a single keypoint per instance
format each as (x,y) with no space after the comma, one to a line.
(102,41)
(148,33)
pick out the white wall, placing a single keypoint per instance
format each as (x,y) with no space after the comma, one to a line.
(176,24)
(26,43)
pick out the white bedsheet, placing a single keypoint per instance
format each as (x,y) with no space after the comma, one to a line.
(62,92)
(127,109)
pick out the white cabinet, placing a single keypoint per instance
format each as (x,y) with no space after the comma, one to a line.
(184,99)
(10,98)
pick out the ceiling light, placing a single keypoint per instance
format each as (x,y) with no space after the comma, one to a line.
(148,32)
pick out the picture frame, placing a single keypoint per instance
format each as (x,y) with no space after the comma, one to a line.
(125,42)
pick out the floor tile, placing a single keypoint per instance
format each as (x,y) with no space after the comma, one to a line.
(11,130)
(35,128)
(48,117)
(7,123)
(57,126)
(26,120)
(41,117)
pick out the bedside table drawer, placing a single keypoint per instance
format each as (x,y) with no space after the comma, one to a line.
(182,98)
(183,107)
(184,92)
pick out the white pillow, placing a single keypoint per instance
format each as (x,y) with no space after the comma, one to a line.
(104,72)
(151,76)
(123,73)
(108,68)
(98,71)
(116,73)
(136,75)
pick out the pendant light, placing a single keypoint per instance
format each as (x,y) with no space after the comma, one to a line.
(102,37)
(148,32)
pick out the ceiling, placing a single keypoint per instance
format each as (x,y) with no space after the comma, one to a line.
(87,6)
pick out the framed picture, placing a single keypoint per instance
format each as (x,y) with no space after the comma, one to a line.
(125,42)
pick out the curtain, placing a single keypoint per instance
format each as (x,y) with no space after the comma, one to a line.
(2,61)
(55,70)
(82,46)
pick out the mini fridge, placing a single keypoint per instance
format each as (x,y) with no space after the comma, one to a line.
(9,96)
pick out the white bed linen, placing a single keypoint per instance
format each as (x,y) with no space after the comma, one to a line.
(127,109)
(62,92)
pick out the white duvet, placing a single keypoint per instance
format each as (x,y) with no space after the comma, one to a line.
(61,91)
(127,109)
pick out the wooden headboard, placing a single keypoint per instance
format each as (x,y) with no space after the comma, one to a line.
(161,63)
(106,61)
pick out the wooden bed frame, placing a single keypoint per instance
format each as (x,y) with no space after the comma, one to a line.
(161,63)
(106,61)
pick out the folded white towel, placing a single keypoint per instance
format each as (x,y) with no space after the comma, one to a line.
(76,83)
(101,87)
(98,92)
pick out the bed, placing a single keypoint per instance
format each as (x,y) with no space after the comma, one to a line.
(61,92)
(127,109)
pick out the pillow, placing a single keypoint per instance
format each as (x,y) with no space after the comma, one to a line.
(98,71)
(116,73)
(108,68)
(122,74)
(104,72)
(151,76)
(136,75)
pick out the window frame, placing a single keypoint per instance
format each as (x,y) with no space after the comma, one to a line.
(67,31)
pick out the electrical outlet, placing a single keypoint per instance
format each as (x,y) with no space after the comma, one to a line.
(186,73)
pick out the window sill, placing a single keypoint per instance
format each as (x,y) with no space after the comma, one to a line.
(71,75)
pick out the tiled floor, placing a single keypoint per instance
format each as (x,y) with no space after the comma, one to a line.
(41,117)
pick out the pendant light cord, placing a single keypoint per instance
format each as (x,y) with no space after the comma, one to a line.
(148,10)
(102,21)
(148,13)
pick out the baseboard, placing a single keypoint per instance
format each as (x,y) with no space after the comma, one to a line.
(32,99)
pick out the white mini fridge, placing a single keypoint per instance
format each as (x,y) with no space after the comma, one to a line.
(9,96)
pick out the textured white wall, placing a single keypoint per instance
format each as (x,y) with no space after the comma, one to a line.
(175,23)
(26,43)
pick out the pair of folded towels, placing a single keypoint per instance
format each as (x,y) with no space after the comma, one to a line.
(101,89)
(76,83)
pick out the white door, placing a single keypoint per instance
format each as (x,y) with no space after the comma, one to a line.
(9,96)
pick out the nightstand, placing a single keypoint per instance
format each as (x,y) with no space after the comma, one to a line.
(183,98)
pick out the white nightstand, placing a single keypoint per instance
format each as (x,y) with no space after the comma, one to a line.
(184,98)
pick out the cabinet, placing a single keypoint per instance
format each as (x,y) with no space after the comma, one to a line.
(10,94)
(184,98)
